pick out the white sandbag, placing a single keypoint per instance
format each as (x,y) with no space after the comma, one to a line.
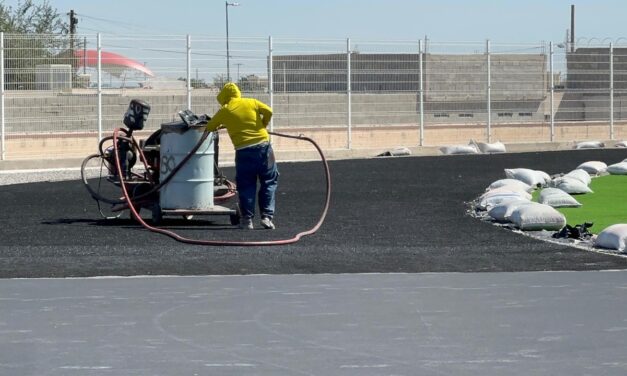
(589,145)
(612,237)
(571,185)
(557,198)
(396,152)
(593,167)
(618,168)
(544,176)
(511,182)
(400,151)
(495,147)
(503,211)
(581,175)
(527,176)
(535,217)
(621,144)
(489,200)
(459,149)
(507,189)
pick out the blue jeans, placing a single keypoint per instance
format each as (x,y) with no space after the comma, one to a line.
(252,163)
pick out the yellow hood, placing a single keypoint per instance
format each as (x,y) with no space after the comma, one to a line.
(228,92)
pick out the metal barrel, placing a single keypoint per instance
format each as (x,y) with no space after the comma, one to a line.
(192,186)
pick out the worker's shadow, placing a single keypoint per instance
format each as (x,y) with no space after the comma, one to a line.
(166,223)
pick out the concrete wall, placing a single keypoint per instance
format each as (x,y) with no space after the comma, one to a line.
(464,77)
(41,112)
(447,77)
(589,68)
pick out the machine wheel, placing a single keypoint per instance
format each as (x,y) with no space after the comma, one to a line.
(101,189)
(157,215)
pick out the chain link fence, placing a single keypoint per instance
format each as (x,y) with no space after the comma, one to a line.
(60,95)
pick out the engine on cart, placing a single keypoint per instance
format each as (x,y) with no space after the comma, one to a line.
(135,118)
(174,171)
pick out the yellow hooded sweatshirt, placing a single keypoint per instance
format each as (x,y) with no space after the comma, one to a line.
(245,119)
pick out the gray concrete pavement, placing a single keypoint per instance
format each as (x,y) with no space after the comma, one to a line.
(537,323)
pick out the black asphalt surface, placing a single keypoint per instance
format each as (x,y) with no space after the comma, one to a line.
(387,215)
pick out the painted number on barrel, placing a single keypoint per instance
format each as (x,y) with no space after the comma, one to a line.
(167,164)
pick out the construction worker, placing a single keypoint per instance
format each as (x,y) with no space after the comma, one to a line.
(245,120)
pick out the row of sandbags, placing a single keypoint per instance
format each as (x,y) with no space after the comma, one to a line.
(474,148)
(509,200)
(498,147)
(597,168)
(598,145)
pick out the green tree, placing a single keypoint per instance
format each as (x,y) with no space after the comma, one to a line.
(30,17)
(35,34)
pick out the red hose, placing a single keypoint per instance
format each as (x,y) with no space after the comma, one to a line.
(179,238)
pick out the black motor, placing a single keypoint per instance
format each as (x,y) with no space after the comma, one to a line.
(136,114)
(135,119)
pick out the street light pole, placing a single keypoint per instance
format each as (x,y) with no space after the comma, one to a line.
(228,65)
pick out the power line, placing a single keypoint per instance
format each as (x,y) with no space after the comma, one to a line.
(117,23)
(95,30)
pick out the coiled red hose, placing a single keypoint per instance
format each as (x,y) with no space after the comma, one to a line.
(182,239)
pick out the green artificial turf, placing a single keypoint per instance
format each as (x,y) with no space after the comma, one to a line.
(605,207)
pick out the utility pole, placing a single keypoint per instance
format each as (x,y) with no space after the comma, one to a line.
(84,55)
(228,65)
(73,22)
(572,28)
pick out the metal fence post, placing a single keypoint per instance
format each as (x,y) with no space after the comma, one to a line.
(421,94)
(2,120)
(99,75)
(489,91)
(349,141)
(189,72)
(611,91)
(552,86)
(271,81)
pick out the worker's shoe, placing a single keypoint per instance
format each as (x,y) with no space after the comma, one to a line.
(266,222)
(246,223)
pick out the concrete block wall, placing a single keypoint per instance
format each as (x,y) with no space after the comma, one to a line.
(589,68)
(597,107)
(518,77)
(310,110)
(44,112)
(48,112)
(464,77)
(52,112)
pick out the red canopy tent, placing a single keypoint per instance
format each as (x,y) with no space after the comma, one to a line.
(111,63)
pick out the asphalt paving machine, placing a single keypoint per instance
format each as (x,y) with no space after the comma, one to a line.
(173,172)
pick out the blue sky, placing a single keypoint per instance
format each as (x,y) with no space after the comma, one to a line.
(506,21)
